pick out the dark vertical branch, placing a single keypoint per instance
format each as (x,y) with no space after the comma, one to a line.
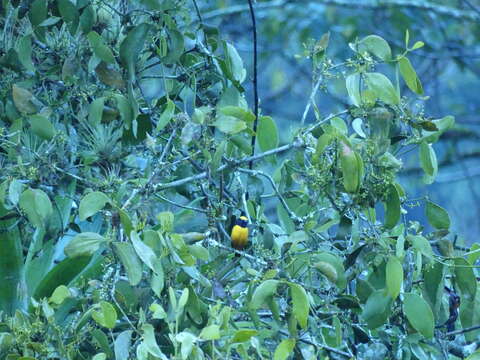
(255,85)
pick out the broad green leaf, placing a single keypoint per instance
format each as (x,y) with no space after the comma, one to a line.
(69,14)
(419,314)
(95,112)
(229,124)
(131,47)
(24,49)
(357,127)
(267,133)
(428,162)
(85,243)
(394,277)
(61,274)
(15,190)
(91,204)
(465,278)
(237,112)
(392,207)
(353,88)
(122,345)
(37,12)
(60,294)
(474,253)
(433,276)
(377,309)
(350,169)
(11,266)
(418,45)
(266,289)
(24,100)
(110,77)
(235,64)
(151,343)
(301,306)
(375,45)
(105,315)
(284,349)
(87,19)
(410,76)
(42,127)
(319,260)
(144,252)
(125,109)
(100,49)
(37,205)
(421,245)
(437,216)
(382,88)
(175,46)
(130,261)
(211,332)
(243,335)
(167,115)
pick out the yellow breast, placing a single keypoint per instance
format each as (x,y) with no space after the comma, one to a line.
(239,237)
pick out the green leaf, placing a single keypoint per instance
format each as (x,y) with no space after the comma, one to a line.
(166,116)
(428,162)
(353,88)
(377,309)
(229,124)
(131,47)
(37,12)
(267,133)
(151,343)
(24,49)
(266,289)
(437,216)
(211,332)
(419,314)
(100,49)
(106,315)
(69,14)
(465,278)
(319,260)
(122,345)
(175,46)
(417,45)
(91,204)
(243,335)
(130,261)
(410,76)
(235,63)
(37,206)
(421,245)
(60,294)
(375,45)
(382,88)
(433,285)
(144,252)
(394,277)
(61,274)
(42,127)
(392,207)
(95,112)
(85,243)
(284,349)
(24,100)
(11,266)
(301,306)
(350,169)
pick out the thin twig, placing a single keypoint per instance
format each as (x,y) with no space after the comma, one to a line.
(462,331)
(180,205)
(234,163)
(291,214)
(311,100)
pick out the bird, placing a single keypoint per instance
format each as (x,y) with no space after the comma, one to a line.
(239,234)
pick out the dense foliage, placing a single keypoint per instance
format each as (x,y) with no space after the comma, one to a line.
(126,154)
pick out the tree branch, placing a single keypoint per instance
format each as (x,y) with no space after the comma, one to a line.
(379,4)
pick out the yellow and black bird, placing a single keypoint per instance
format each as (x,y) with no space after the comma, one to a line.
(239,234)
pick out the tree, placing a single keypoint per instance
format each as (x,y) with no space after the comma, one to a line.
(127,151)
